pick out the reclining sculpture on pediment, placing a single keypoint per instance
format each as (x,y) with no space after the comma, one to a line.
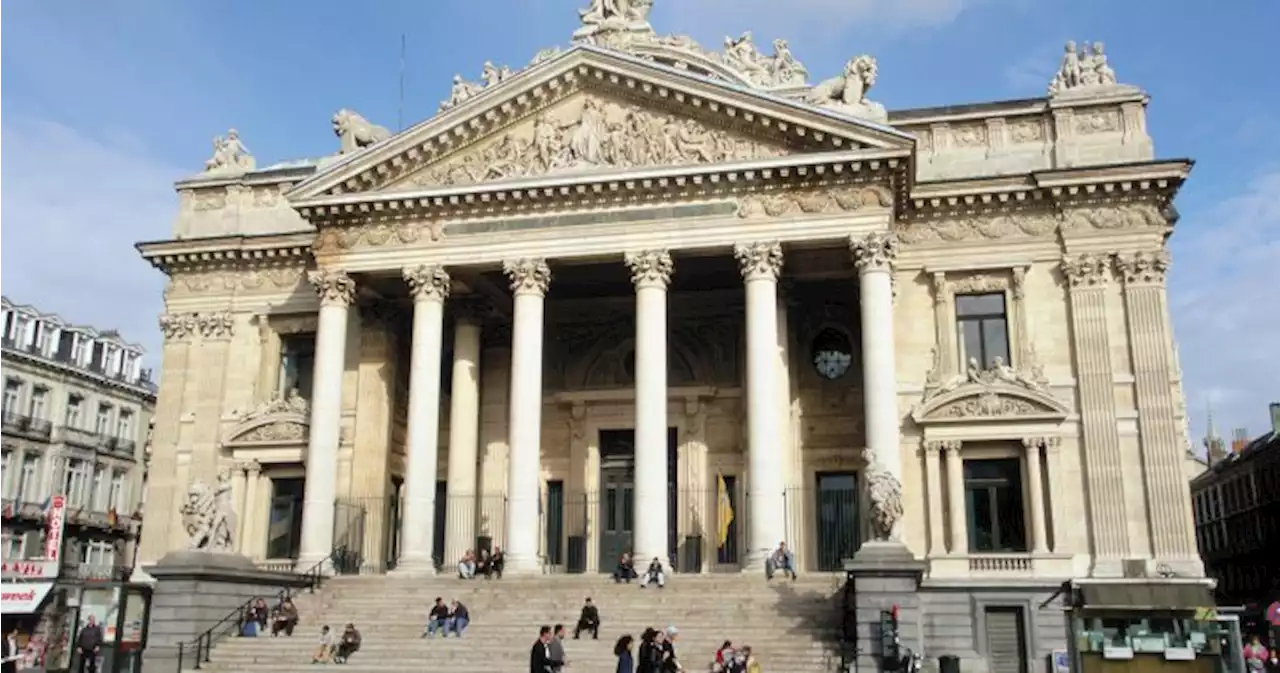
(1084,71)
(997,373)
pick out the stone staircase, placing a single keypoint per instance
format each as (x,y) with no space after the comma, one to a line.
(792,626)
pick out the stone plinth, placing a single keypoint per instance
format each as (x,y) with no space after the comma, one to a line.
(194,590)
(885,574)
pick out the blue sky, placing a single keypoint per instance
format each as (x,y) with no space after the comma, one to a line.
(106,102)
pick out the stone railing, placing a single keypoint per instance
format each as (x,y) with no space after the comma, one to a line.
(1002,565)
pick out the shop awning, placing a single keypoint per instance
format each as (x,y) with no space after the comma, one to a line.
(1140,595)
(24,598)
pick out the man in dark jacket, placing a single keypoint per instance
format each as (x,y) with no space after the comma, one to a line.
(540,657)
(589,620)
(89,645)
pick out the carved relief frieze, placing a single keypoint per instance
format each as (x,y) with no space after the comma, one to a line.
(827,200)
(379,234)
(280,420)
(1097,121)
(1129,216)
(970,136)
(979,283)
(996,392)
(1027,131)
(209,199)
(203,281)
(977,228)
(597,133)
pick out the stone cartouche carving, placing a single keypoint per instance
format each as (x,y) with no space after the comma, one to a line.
(847,93)
(886,503)
(1086,270)
(280,431)
(208,515)
(1082,71)
(977,228)
(649,267)
(815,201)
(1143,268)
(874,252)
(178,326)
(759,259)
(428,281)
(602,134)
(355,132)
(989,404)
(980,283)
(333,286)
(528,275)
(230,156)
(216,325)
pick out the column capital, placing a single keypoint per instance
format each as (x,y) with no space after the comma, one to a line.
(1037,442)
(333,287)
(876,251)
(1019,282)
(427,282)
(761,259)
(178,326)
(1147,267)
(253,467)
(1086,270)
(472,309)
(219,325)
(939,445)
(529,275)
(649,268)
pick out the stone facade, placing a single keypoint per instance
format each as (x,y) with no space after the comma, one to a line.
(495,290)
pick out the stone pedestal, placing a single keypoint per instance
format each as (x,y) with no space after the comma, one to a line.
(194,590)
(884,574)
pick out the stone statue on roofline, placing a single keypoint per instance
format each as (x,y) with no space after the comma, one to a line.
(230,156)
(614,20)
(355,132)
(847,93)
(1084,71)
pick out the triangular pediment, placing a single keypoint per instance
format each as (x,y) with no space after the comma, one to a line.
(592,110)
(280,421)
(989,402)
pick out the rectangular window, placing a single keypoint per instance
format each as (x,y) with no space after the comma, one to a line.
(118,493)
(12,397)
(297,360)
(39,403)
(77,349)
(103,424)
(11,542)
(124,424)
(75,404)
(97,493)
(20,325)
(29,479)
(43,332)
(983,324)
(97,355)
(7,472)
(76,484)
(993,500)
(97,553)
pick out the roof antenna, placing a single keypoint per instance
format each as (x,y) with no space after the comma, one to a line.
(400,109)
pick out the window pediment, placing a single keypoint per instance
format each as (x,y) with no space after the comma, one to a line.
(994,401)
(282,420)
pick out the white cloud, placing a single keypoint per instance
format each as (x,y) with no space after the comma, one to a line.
(802,20)
(73,207)
(1225,302)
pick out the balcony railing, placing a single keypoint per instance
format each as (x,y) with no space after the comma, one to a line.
(16,421)
(40,428)
(94,572)
(78,437)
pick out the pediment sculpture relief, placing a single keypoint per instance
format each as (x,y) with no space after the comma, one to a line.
(208,515)
(599,134)
(996,392)
(279,420)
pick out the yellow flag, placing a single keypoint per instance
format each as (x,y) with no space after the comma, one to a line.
(724,509)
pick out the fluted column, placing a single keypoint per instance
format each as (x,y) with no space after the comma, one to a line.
(1035,493)
(955,499)
(873,256)
(429,286)
(248,522)
(530,278)
(933,482)
(337,291)
(464,429)
(651,272)
(760,264)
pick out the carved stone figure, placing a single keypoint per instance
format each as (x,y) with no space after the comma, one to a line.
(1082,70)
(209,516)
(355,132)
(886,503)
(291,403)
(602,133)
(847,93)
(460,92)
(230,156)
(623,11)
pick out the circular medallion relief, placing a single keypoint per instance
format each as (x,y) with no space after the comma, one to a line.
(832,353)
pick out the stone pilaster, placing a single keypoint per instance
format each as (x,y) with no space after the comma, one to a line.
(1168,499)
(1035,493)
(269,360)
(1087,277)
(158,536)
(933,483)
(944,356)
(216,330)
(955,499)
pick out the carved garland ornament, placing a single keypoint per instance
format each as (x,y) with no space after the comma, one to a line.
(874,252)
(815,201)
(602,134)
(977,228)
(650,267)
(333,287)
(428,282)
(1111,218)
(379,234)
(529,275)
(759,260)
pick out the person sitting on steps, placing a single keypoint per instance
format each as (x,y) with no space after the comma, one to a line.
(467,566)
(285,618)
(589,620)
(654,574)
(496,561)
(437,619)
(325,651)
(457,620)
(626,570)
(347,644)
(780,560)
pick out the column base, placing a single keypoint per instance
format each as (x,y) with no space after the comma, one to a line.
(522,566)
(415,567)
(755,560)
(307,562)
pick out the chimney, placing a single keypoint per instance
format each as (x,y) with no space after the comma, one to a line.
(1239,440)
(1275,417)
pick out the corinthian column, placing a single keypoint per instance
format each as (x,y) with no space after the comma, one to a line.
(874,255)
(337,291)
(651,272)
(530,279)
(464,429)
(761,263)
(429,287)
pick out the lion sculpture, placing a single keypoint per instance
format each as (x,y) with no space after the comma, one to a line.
(355,132)
(847,93)
(886,503)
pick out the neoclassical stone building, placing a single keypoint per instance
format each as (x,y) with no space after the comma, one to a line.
(595,303)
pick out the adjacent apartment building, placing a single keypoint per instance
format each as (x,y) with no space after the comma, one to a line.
(77,404)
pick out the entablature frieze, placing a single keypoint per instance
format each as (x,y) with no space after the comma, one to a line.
(270,263)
